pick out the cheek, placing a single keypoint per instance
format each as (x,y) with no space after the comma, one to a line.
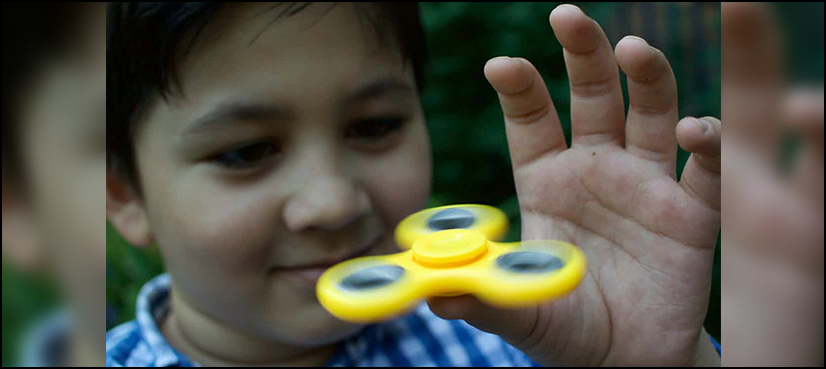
(201,223)
(400,182)
(215,239)
(204,228)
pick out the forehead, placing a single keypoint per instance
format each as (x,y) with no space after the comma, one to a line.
(257,48)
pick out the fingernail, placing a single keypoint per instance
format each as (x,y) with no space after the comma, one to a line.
(504,60)
(573,6)
(705,126)
(568,6)
(640,39)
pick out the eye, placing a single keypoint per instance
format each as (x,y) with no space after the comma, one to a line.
(373,129)
(247,157)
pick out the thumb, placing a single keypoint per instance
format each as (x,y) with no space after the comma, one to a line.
(701,174)
(549,333)
(516,326)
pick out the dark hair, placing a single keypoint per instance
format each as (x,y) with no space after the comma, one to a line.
(33,34)
(147,40)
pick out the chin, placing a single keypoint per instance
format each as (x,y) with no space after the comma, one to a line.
(319,328)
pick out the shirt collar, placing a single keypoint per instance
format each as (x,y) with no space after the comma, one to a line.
(153,306)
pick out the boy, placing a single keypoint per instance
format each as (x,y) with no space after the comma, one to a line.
(259,144)
(54,92)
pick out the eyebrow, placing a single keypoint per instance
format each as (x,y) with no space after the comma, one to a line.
(381,87)
(235,111)
(227,113)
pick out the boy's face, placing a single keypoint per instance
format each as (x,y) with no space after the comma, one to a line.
(296,144)
(62,140)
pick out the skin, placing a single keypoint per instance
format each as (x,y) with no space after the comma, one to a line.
(58,221)
(649,238)
(772,313)
(228,235)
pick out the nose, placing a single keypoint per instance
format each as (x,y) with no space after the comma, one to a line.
(330,202)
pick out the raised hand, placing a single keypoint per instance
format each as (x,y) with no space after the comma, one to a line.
(649,238)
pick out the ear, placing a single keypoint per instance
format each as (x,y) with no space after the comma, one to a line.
(125,210)
(22,245)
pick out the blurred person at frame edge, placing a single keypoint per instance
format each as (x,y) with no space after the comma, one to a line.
(772,271)
(54,165)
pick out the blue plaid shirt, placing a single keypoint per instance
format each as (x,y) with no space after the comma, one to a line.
(418,339)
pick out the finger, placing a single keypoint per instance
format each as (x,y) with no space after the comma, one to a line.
(652,112)
(597,111)
(701,174)
(512,325)
(531,120)
(751,75)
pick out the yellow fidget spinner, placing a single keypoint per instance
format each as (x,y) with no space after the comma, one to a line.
(451,251)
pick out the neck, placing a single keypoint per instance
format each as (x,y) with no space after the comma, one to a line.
(212,343)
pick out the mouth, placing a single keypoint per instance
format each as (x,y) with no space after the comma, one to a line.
(311,272)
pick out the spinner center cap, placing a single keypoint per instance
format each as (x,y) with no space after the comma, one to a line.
(449,248)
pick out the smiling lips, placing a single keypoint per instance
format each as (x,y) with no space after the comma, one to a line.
(312,272)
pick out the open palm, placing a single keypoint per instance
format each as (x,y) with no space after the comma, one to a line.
(649,238)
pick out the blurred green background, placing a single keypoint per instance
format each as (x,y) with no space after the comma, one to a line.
(471,162)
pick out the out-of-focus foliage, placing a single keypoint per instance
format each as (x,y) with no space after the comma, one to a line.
(24,301)
(471,163)
(128,269)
